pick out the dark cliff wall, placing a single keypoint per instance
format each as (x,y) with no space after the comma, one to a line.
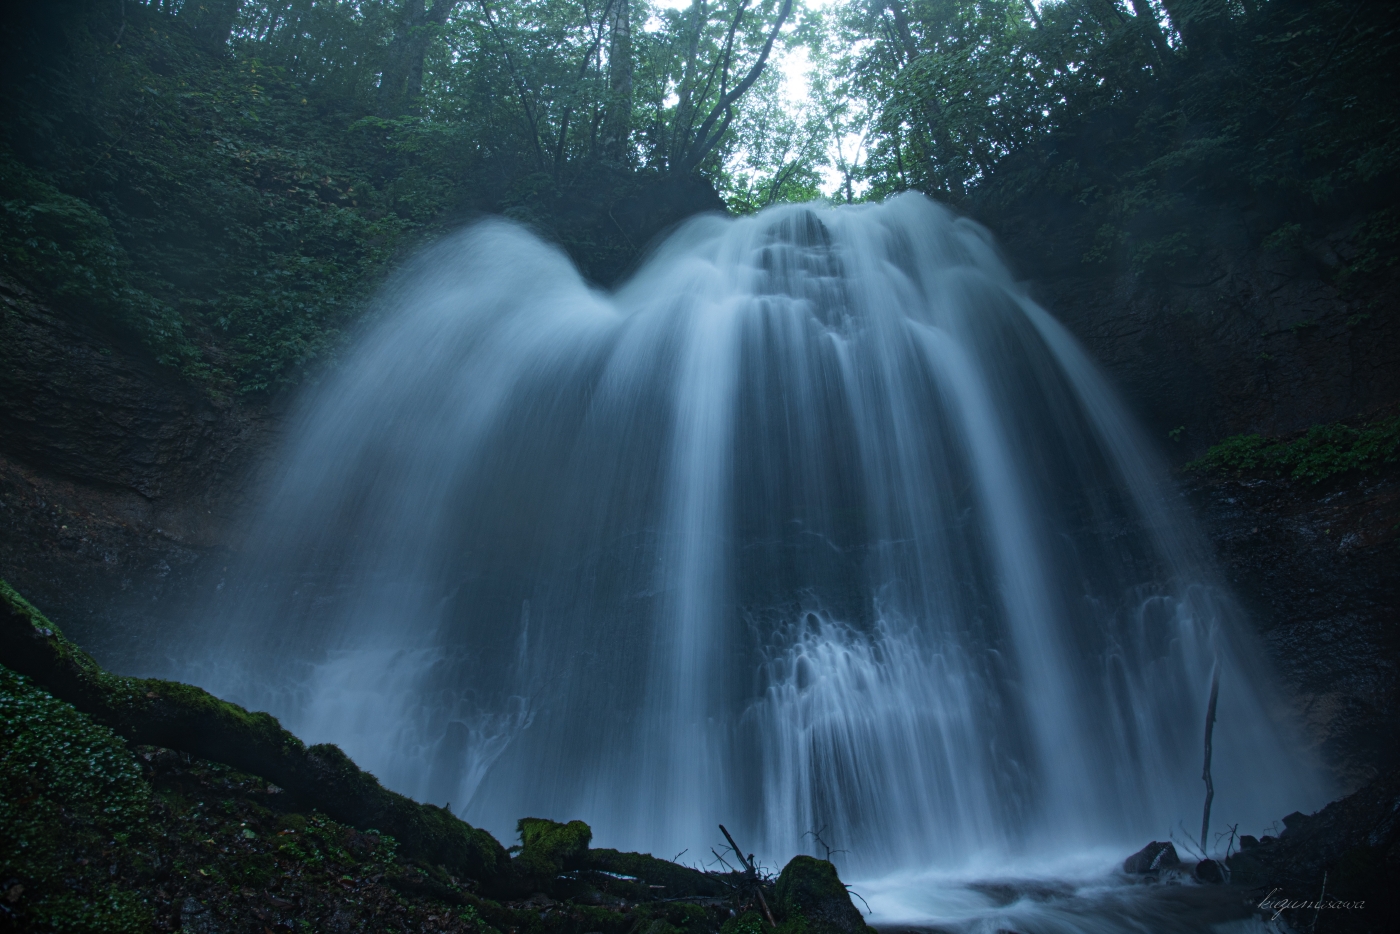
(116,474)
(1242,340)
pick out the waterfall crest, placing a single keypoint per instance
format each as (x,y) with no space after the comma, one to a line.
(818,522)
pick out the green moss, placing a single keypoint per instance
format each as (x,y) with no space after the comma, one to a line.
(806,882)
(810,897)
(64,247)
(749,922)
(130,697)
(72,802)
(1324,451)
(103,837)
(180,716)
(549,847)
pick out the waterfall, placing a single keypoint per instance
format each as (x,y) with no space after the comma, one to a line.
(817,523)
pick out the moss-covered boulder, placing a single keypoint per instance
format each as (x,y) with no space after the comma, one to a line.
(811,898)
(548,847)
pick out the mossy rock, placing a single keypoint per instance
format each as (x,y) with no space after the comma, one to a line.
(182,717)
(810,891)
(549,847)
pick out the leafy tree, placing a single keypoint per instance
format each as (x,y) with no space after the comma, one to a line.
(231,181)
(1130,118)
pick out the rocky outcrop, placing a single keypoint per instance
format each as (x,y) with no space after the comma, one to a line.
(1269,339)
(83,400)
(1318,567)
(1242,339)
(1337,869)
(98,835)
(1157,856)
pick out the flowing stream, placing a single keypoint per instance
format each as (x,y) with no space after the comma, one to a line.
(816,524)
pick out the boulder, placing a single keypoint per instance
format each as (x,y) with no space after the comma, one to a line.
(1209,872)
(549,847)
(1294,822)
(809,888)
(1154,857)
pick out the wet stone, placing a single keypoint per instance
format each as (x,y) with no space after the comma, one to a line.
(196,918)
(1209,872)
(1154,857)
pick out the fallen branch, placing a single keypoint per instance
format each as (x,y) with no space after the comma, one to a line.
(752,872)
(1205,772)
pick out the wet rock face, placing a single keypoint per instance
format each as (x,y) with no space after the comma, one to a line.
(85,402)
(196,918)
(1244,340)
(810,888)
(1318,566)
(1241,339)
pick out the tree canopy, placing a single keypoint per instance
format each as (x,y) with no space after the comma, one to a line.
(229,180)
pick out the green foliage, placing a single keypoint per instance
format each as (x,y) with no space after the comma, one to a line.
(1377,244)
(750,922)
(63,246)
(1129,129)
(1324,451)
(778,152)
(67,787)
(1287,236)
(236,206)
(203,203)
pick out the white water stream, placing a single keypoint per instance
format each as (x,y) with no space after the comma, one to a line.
(817,523)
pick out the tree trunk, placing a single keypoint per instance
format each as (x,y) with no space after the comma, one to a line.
(401,81)
(929,110)
(1147,21)
(212,21)
(685,106)
(1198,22)
(707,137)
(617,125)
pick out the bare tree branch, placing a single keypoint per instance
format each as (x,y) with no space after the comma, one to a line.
(705,140)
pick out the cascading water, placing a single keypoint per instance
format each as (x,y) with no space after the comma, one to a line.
(819,522)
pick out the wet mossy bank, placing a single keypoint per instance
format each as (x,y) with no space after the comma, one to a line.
(111,821)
